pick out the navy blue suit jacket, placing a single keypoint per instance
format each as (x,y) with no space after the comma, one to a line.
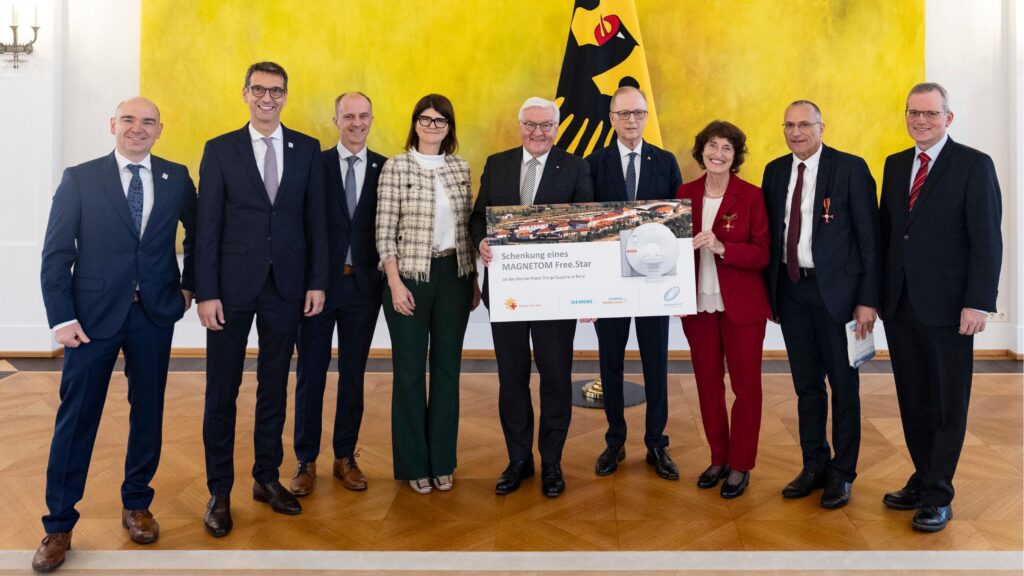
(949,250)
(659,174)
(357,231)
(93,260)
(240,236)
(845,249)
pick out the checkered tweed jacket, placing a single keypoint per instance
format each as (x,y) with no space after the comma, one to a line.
(405,214)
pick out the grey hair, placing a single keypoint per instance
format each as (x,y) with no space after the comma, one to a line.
(926,87)
(625,90)
(807,103)
(538,102)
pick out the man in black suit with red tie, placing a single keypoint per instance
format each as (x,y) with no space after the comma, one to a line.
(261,253)
(823,273)
(534,173)
(942,251)
(353,301)
(633,169)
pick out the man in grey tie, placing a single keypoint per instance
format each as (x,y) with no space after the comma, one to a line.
(261,254)
(632,169)
(354,291)
(534,173)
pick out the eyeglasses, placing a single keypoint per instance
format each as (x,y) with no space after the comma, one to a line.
(625,114)
(929,114)
(427,121)
(258,91)
(800,125)
(545,127)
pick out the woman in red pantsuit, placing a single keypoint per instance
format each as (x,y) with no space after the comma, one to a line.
(730,244)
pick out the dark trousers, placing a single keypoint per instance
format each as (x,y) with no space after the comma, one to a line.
(356,319)
(932,367)
(715,341)
(83,390)
(816,346)
(277,322)
(425,429)
(652,339)
(552,349)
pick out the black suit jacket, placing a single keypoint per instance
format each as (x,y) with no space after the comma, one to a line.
(949,250)
(659,174)
(356,231)
(240,236)
(93,260)
(845,249)
(565,179)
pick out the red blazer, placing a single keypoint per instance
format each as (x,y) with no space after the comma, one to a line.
(746,238)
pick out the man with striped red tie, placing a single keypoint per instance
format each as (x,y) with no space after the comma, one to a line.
(942,250)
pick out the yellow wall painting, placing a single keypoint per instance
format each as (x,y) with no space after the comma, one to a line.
(741,61)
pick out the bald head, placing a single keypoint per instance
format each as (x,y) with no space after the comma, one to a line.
(136,127)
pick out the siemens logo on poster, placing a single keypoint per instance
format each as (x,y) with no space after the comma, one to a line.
(581,301)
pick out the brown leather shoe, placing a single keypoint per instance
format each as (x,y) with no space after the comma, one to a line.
(142,527)
(304,480)
(348,471)
(50,554)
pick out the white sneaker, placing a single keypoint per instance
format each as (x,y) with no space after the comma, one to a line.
(443,483)
(422,485)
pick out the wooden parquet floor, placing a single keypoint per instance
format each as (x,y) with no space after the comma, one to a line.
(633,510)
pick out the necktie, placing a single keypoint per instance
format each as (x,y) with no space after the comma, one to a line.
(526,193)
(350,185)
(922,173)
(270,180)
(793,230)
(631,178)
(135,197)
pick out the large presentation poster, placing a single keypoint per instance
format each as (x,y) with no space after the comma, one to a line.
(593,260)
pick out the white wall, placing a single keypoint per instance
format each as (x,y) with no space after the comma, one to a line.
(54,113)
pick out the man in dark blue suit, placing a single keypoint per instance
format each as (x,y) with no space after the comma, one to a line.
(823,272)
(262,252)
(632,169)
(111,284)
(942,251)
(353,300)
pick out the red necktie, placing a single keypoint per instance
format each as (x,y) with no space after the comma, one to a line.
(922,173)
(793,230)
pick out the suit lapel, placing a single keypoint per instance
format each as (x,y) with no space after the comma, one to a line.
(548,179)
(512,163)
(369,182)
(782,190)
(115,192)
(162,198)
(934,175)
(245,152)
(733,193)
(648,168)
(337,189)
(821,185)
(613,162)
(288,145)
(905,163)
(697,206)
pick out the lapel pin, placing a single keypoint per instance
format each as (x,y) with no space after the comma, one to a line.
(648,157)
(164,176)
(291,145)
(374,165)
(728,218)
(557,167)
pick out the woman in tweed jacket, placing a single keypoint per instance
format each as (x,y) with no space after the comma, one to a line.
(423,208)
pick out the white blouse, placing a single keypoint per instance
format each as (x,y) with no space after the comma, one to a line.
(709,293)
(444,218)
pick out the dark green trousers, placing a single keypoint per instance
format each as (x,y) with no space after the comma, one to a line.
(425,426)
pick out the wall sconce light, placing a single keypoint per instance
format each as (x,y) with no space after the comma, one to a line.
(13,55)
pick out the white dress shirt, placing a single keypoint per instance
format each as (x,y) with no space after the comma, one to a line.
(359,167)
(933,154)
(444,219)
(624,156)
(146,175)
(543,158)
(259,149)
(803,246)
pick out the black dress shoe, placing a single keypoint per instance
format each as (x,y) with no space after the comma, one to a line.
(513,476)
(709,480)
(932,518)
(836,494)
(552,482)
(663,464)
(279,498)
(608,461)
(805,483)
(218,515)
(906,498)
(734,490)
